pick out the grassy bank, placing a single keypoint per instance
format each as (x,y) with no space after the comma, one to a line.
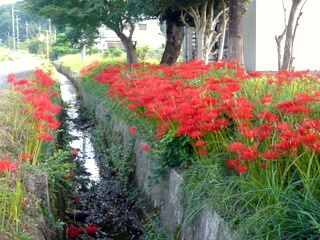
(247,144)
(75,61)
(30,157)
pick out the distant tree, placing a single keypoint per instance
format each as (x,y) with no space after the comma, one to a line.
(36,46)
(288,34)
(86,17)
(61,46)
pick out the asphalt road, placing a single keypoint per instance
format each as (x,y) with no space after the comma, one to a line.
(22,68)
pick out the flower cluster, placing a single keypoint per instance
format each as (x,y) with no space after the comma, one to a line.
(88,68)
(90,230)
(6,165)
(40,111)
(255,118)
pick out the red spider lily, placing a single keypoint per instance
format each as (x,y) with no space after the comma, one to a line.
(267,98)
(28,91)
(249,153)
(22,82)
(272,154)
(283,126)
(74,152)
(88,68)
(11,77)
(255,74)
(262,164)
(74,231)
(269,116)
(92,229)
(45,136)
(6,165)
(145,147)
(203,151)
(233,162)
(236,147)
(25,156)
(200,143)
(43,78)
(133,129)
(241,168)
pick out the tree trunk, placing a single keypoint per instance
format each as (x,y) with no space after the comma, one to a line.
(235,45)
(132,56)
(201,48)
(223,27)
(287,54)
(174,35)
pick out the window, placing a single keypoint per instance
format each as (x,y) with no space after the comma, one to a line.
(142,26)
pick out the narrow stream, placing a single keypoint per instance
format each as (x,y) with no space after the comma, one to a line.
(81,138)
(99,209)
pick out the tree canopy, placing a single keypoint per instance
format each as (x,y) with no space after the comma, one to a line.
(86,17)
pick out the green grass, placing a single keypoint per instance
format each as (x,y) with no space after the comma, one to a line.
(75,62)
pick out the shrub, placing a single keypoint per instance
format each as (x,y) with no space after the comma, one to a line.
(117,53)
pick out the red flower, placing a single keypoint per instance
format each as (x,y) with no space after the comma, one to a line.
(272,154)
(200,143)
(203,151)
(249,153)
(92,229)
(6,165)
(145,147)
(241,168)
(233,162)
(26,156)
(133,129)
(262,164)
(45,137)
(236,147)
(10,77)
(74,231)
(74,152)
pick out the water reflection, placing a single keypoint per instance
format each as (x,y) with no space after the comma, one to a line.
(81,138)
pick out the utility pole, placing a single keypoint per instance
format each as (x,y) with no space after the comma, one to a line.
(50,32)
(47,43)
(27,29)
(18,47)
(9,40)
(13,32)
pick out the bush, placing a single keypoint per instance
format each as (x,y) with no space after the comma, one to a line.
(112,48)
(142,52)
(117,53)
(106,53)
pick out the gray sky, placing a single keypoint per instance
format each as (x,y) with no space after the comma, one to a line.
(8,1)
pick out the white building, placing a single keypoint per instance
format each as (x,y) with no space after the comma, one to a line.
(146,33)
(265,20)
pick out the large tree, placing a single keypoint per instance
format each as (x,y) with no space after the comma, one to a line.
(85,18)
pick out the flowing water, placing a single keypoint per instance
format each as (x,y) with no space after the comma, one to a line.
(81,138)
(99,204)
